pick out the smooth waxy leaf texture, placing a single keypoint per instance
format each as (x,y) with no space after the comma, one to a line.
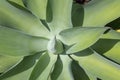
(95,18)
(60,8)
(109,45)
(20,18)
(6,62)
(65,69)
(37,7)
(16,43)
(43,67)
(98,65)
(74,36)
(22,70)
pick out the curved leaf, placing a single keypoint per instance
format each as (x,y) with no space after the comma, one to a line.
(77,15)
(109,45)
(115,24)
(37,7)
(6,62)
(61,12)
(18,2)
(16,43)
(74,36)
(43,67)
(63,72)
(57,69)
(98,65)
(12,16)
(78,72)
(112,34)
(100,17)
(109,48)
(22,70)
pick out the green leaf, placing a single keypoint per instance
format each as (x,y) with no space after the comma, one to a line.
(112,34)
(77,15)
(37,7)
(22,70)
(109,45)
(109,48)
(6,62)
(16,43)
(15,16)
(57,69)
(74,36)
(115,24)
(43,67)
(18,2)
(97,65)
(107,11)
(61,12)
(62,71)
(78,72)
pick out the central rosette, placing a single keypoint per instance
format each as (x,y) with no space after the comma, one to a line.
(55,46)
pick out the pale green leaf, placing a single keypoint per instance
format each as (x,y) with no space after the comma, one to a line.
(57,69)
(97,65)
(20,18)
(43,67)
(18,2)
(37,7)
(109,48)
(16,43)
(109,45)
(107,11)
(22,70)
(6,62)
(62,71)
(61,12)
(112,34)
(75,37)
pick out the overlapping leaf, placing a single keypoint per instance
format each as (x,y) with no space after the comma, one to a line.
(16,16)
(103,14)
(109,45)
(75,37)
(43,67)
(22,70)
(16,43)
(97,65)
(37,7)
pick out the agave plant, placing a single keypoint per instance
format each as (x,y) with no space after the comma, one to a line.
(59,40)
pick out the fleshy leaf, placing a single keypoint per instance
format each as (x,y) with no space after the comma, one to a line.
(6,62)
(109,48)
(18,2)
(112,34)
(22,70)
(63,72)
(16,17)
(43,67)
(16,43)
(57,69)
(37,7)
(77,15)
(109,45)
(74,36)
(105,70)
(61,12)
(78,72)
(115,24)
(100,16)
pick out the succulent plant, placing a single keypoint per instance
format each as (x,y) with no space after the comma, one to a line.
(59,40)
